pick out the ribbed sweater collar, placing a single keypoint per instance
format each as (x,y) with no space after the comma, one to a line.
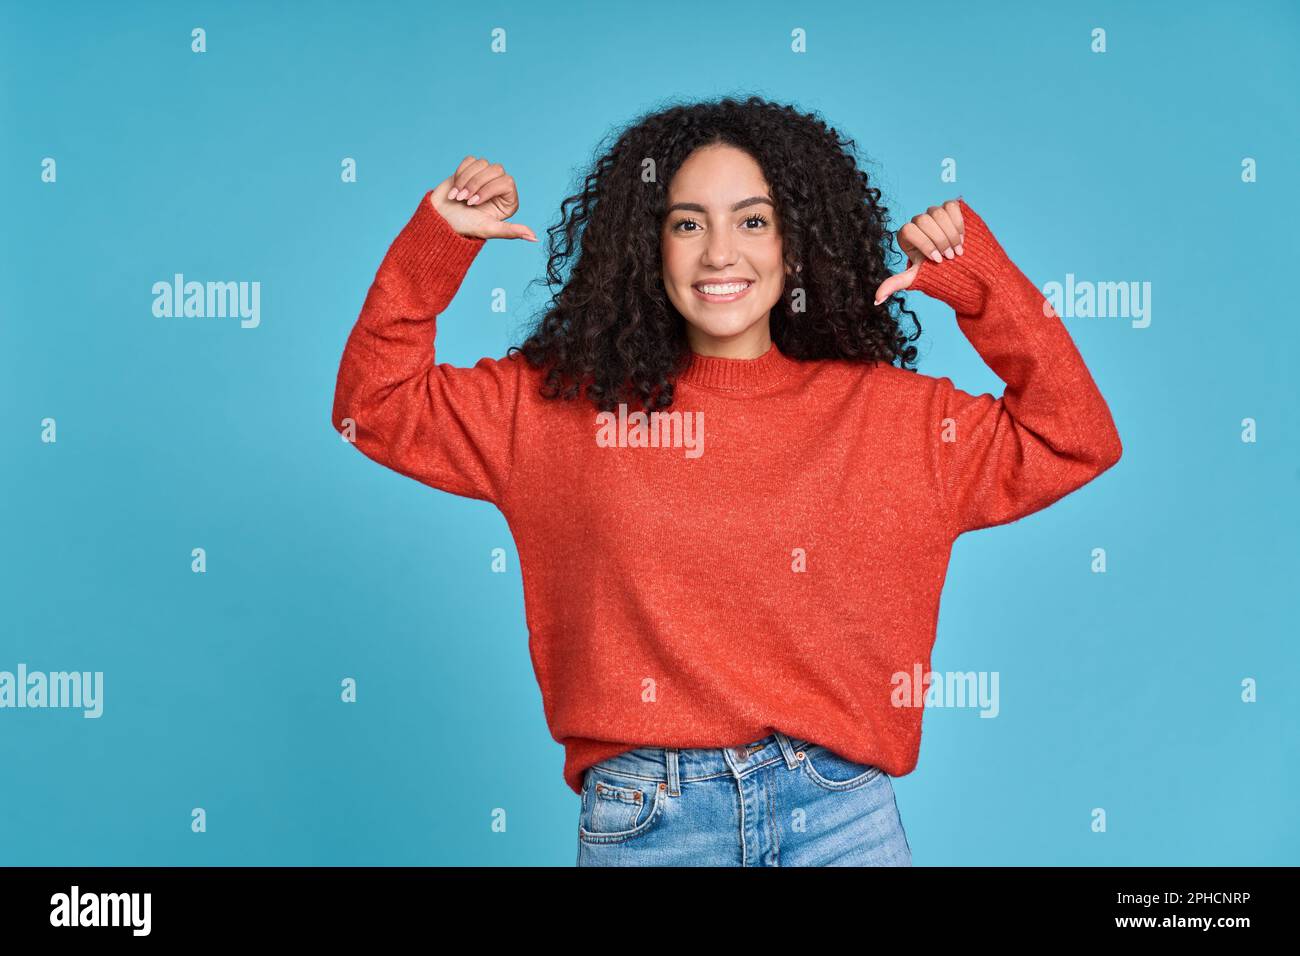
(740,376)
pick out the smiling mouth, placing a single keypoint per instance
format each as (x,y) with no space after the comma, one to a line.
(722,291)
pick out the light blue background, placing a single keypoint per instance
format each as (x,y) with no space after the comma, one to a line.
(1119,691)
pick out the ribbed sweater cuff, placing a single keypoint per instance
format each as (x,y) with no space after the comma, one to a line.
(965,280)
(430,251)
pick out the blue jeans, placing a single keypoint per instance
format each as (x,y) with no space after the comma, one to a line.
(775,802)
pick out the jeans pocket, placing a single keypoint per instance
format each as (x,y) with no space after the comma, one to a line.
(830,771)
(616,809)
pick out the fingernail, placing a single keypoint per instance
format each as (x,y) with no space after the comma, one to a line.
(959,252)
(948,253)
(936,257)
(472,200)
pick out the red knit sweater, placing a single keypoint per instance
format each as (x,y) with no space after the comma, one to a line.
(777,575)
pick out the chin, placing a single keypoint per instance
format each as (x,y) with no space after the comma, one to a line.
(720,322)
(723,330)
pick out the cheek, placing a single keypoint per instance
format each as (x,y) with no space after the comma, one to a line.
(770,258)
(674,267)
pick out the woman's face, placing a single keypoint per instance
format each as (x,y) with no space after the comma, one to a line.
(722,225)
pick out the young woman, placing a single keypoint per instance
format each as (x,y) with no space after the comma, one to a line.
(733,500)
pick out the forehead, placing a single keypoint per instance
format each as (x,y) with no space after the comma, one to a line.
(717,175)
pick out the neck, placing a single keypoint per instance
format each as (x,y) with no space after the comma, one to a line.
(750,344)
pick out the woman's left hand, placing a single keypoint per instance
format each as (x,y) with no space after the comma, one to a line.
(935,234)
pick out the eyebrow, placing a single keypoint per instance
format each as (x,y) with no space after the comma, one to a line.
(696,207)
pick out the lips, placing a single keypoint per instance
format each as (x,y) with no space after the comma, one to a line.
(726,297)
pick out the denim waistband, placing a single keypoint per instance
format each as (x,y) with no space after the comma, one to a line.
(674,765)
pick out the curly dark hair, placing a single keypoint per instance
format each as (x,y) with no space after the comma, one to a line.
(612,328)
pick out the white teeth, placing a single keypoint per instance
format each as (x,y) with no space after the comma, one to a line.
(724,289)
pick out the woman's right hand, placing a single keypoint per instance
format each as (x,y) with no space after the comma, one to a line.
(494,196)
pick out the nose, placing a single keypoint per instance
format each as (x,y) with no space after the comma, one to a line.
(720,251)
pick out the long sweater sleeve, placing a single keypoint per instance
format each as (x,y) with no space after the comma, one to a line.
(449,427)
(1000,459)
